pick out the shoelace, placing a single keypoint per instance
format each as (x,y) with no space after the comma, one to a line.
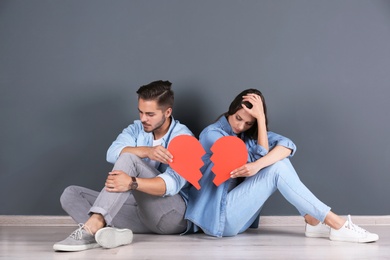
(354,227)
(78,233)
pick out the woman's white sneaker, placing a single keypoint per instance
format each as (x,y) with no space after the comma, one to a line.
(350,232)
(319,230)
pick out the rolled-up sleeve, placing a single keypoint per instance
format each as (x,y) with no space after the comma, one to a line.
(276,139)
(256,151)
(173,182)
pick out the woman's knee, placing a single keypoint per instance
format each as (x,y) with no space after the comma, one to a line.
(280,167)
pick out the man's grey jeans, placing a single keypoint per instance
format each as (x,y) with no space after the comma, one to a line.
(138,211)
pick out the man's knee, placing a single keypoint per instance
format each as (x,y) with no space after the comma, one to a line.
(127,158)
(68,196)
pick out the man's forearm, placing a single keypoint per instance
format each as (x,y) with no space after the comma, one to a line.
(141,151)
(154,186)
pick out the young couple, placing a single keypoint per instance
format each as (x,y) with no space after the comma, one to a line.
(142,194)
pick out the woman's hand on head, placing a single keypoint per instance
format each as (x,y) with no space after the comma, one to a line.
(246,170)
(257,110)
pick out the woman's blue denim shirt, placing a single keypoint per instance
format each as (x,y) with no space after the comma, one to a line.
(134,135)
(206,208)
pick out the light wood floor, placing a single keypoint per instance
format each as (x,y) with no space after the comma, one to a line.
(272,242)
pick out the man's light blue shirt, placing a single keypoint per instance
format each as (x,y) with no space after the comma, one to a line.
(134,136)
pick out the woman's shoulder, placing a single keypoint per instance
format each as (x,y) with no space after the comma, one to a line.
(213,129)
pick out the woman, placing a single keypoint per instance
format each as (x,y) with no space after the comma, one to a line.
(235,205)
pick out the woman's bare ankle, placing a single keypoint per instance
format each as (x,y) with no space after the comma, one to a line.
(311,220)
(334,221)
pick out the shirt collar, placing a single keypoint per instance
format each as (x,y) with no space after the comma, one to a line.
(167,136)
(226,126)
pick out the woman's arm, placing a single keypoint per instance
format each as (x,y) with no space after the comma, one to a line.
(276,154)
(257,112)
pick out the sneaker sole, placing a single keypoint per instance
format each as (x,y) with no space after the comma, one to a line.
(74,248)
(317,235)
(356,240)
(111,237)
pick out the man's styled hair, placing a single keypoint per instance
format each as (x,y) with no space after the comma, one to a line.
(158,90)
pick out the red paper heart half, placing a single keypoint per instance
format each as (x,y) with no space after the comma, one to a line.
(187,158)
(229,153)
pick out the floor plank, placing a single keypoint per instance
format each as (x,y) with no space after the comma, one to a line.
(283,242)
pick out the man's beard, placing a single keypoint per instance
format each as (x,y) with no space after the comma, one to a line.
(159,125)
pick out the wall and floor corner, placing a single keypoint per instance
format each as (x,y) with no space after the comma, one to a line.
(69,71)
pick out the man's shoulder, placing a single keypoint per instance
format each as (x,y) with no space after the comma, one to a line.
(180,128)
(134,128)
(136,124)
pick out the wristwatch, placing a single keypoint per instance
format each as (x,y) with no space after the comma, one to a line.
(134,184)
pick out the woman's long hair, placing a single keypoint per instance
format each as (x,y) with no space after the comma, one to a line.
(237,105)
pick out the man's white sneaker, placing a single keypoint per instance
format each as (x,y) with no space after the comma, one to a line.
(350,232)
(319,230)
(79,240)
(109,237)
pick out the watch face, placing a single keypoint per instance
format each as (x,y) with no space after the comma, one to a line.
(134,184)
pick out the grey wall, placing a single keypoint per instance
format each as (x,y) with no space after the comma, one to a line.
(69,71)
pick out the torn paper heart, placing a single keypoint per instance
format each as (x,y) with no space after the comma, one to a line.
(187,158)
(229,153)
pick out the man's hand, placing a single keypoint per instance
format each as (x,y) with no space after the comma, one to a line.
(118,181)
(159,153)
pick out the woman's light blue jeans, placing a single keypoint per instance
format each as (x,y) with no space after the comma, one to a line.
(245,201)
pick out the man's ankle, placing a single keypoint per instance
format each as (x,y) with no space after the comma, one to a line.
(94,223)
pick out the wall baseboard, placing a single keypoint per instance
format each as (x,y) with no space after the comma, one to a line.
(65,221)
(36,220)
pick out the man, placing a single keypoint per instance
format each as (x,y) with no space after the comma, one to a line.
(142,194)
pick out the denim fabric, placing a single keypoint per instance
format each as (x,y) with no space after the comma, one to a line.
(221,213)
(134,135)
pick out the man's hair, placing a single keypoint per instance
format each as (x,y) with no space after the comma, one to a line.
(159,91)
